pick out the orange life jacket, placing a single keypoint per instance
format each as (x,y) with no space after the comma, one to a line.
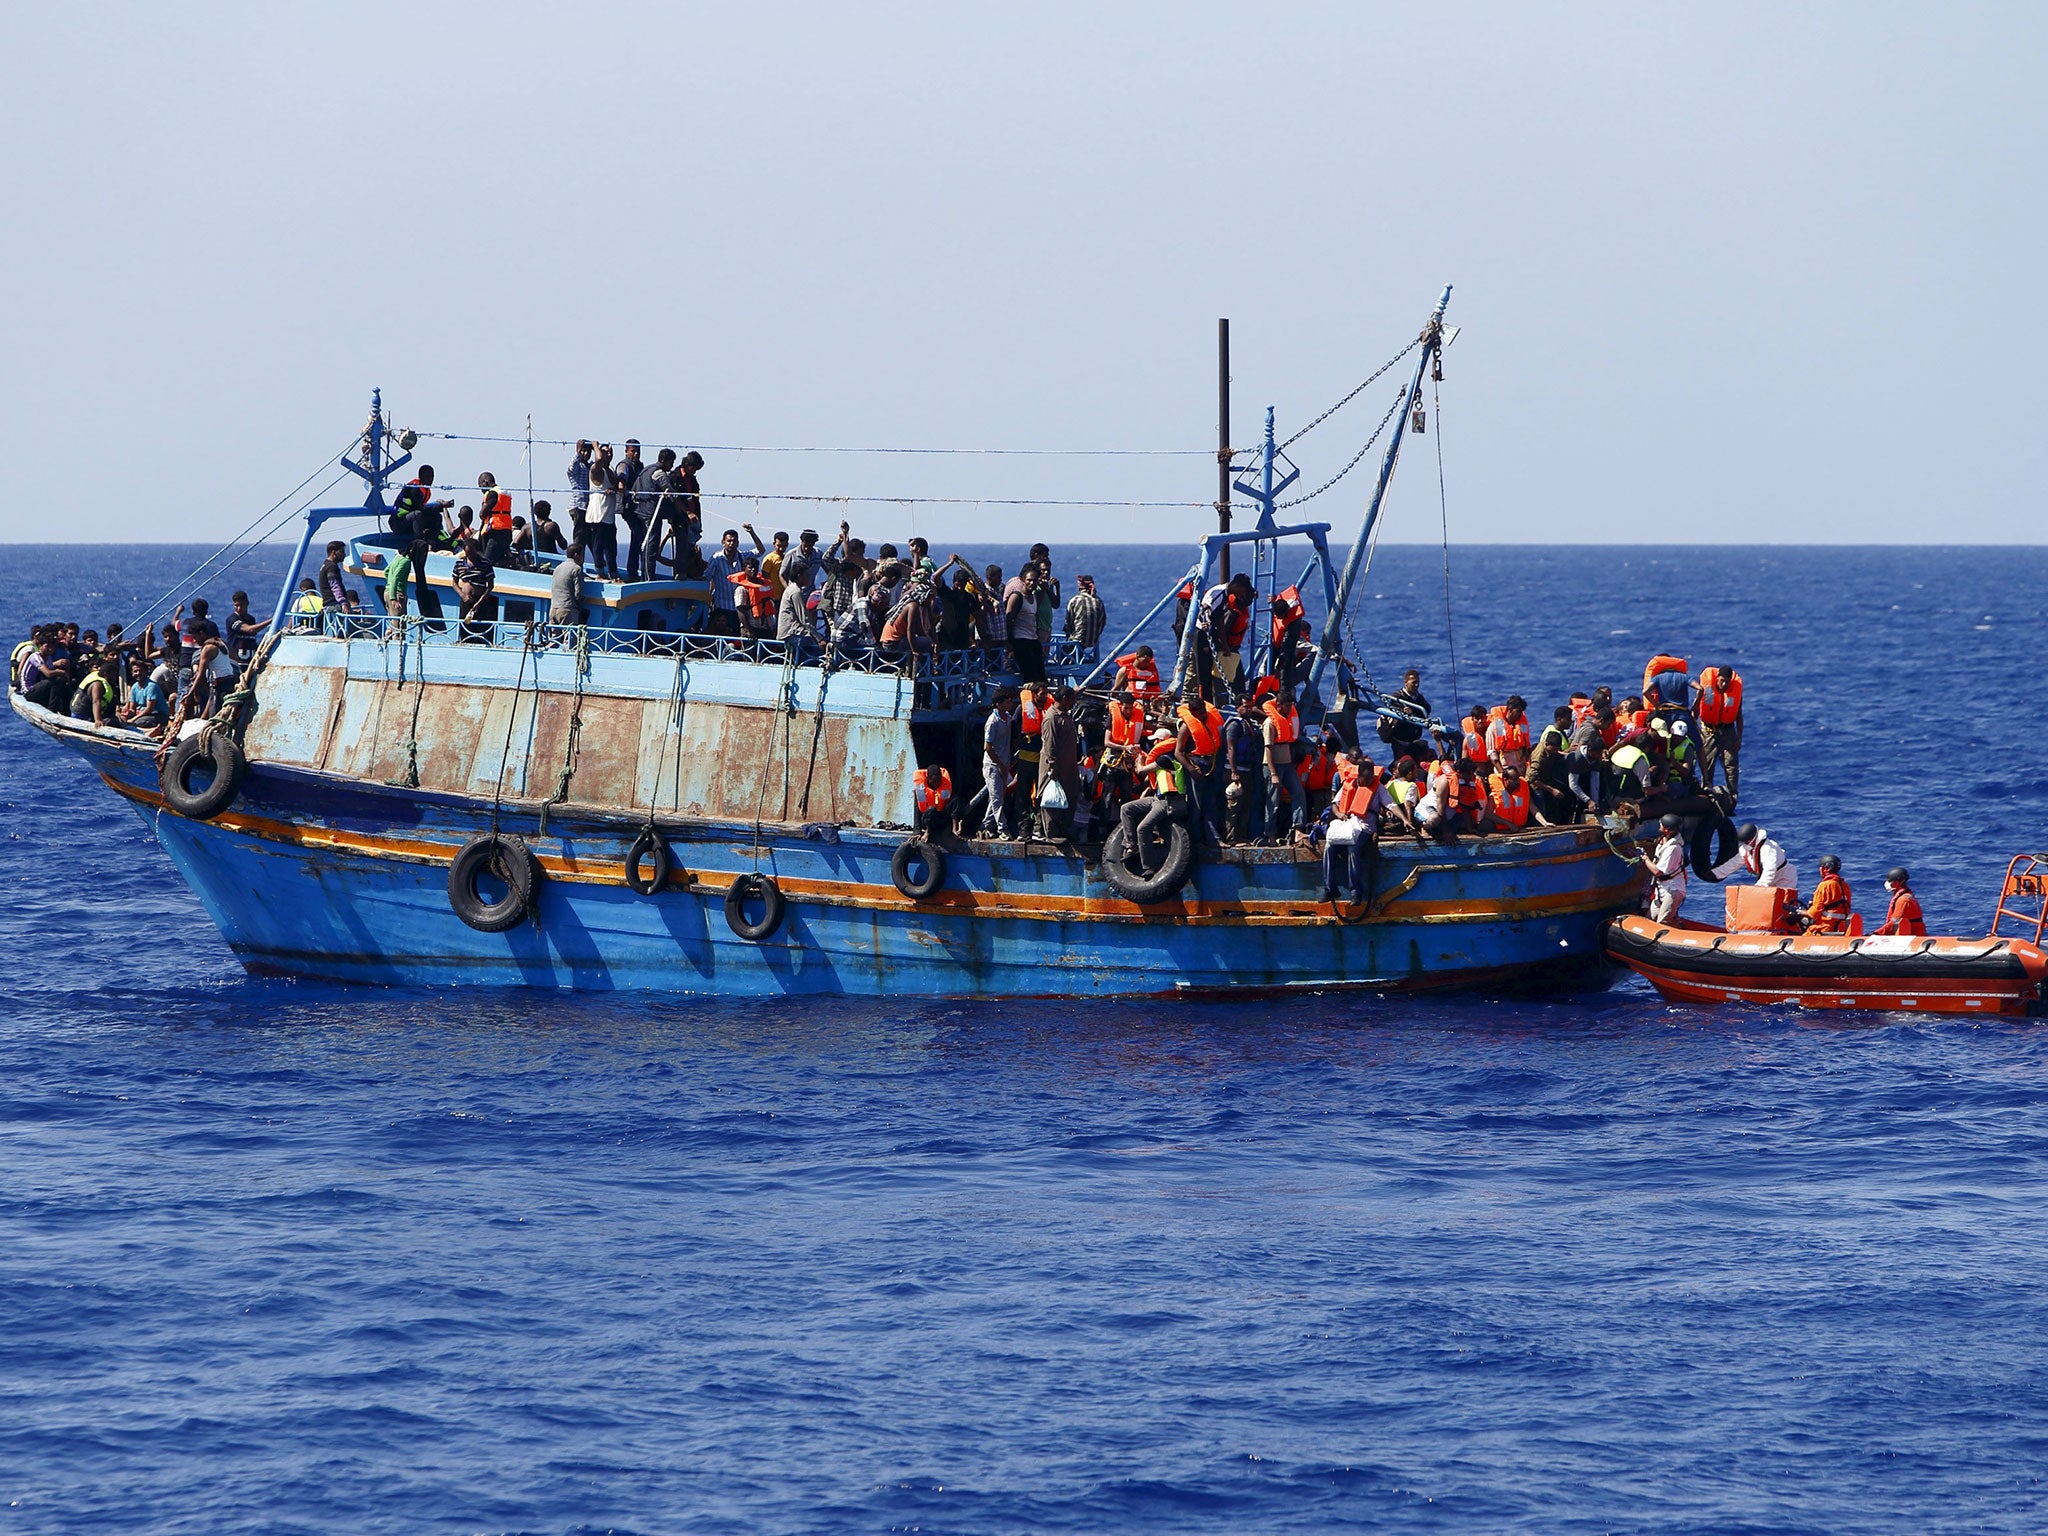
(1611,731)
(1029,712)
(498,515)
(1206,729)
(1467,795)
(1831,906)
(1235,622)
(1355,790)
(759,595)
(1638,719)
(1282,622)
(1903,916)
(1317,769)
(1286,723)
(1720,697)
(1506,736)
(1475,738)
(1144,675)
(934,789)
(1510,808)
(1660,666)
(1582,708)
(1126,726)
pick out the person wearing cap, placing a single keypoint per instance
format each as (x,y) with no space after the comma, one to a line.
(1681,755)
(1902,917)
(1666,864)
(1829,911)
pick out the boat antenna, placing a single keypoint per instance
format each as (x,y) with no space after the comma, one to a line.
(1432,343)
(1223,450)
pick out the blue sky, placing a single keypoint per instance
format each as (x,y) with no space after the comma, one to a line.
(1758,274)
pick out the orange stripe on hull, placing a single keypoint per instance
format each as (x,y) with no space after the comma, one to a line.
(1046,908)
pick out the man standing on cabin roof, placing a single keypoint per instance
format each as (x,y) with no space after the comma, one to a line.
(579,484)
(1666,864)
(1020,619)
(1086,615)
(636,506)
(1717,703)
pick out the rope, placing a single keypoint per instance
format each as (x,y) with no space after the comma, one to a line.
(1056,453)
(411,777)
(831,655)
(511,720)
(149,613)
(675,723)
(575,728)
(785,711)
(1444,512)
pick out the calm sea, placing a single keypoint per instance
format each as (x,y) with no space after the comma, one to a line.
(293,1258)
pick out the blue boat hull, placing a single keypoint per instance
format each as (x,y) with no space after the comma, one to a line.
(316,875)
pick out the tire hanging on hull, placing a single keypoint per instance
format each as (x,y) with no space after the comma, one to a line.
(215,748)
(752,887)
(512,862)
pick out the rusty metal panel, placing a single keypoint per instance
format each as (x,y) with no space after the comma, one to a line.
(449,734)
(371,713)
(607,752)
(505,745)
(294,710)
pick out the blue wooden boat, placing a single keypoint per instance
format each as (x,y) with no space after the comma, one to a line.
(630,804)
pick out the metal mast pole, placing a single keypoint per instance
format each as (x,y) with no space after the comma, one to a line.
(1432,341)
(1222,439)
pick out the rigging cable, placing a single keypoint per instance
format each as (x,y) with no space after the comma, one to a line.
(1444,513)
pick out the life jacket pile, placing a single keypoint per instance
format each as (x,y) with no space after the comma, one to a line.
(1720,697)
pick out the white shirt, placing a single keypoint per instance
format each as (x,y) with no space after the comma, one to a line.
(1765,859)
(1667,865)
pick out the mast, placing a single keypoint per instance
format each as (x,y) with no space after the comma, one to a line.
(1223,437)
(1432,343)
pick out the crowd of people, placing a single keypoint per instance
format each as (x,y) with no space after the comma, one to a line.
(1229,755)
(152,682)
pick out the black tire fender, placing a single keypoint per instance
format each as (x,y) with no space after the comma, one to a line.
(1713,844)
(217,749)
(511,861)
(650,845)
(1142,889)
(916,850)
(746,888)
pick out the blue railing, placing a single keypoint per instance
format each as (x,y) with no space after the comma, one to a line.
(945,679)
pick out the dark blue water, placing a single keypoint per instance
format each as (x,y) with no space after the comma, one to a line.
(285,1258)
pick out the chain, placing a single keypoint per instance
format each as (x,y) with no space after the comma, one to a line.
(1333,410)
(1392,411)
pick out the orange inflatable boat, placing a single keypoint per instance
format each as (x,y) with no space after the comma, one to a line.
(2001,973)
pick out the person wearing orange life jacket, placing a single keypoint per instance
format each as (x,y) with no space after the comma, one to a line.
(1507,735)
(1666,684)
(1227,614)
(1287,804)
(1148,820)
(1509,797)
(755,598)
(1350,827)
(494,508)
(1717,703)
(1318,769)
(1199,734)
(933,788)
(1290,637)
(1473,749)
(1830,910)
(1902,916)
(1030,738)
(1139,673)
